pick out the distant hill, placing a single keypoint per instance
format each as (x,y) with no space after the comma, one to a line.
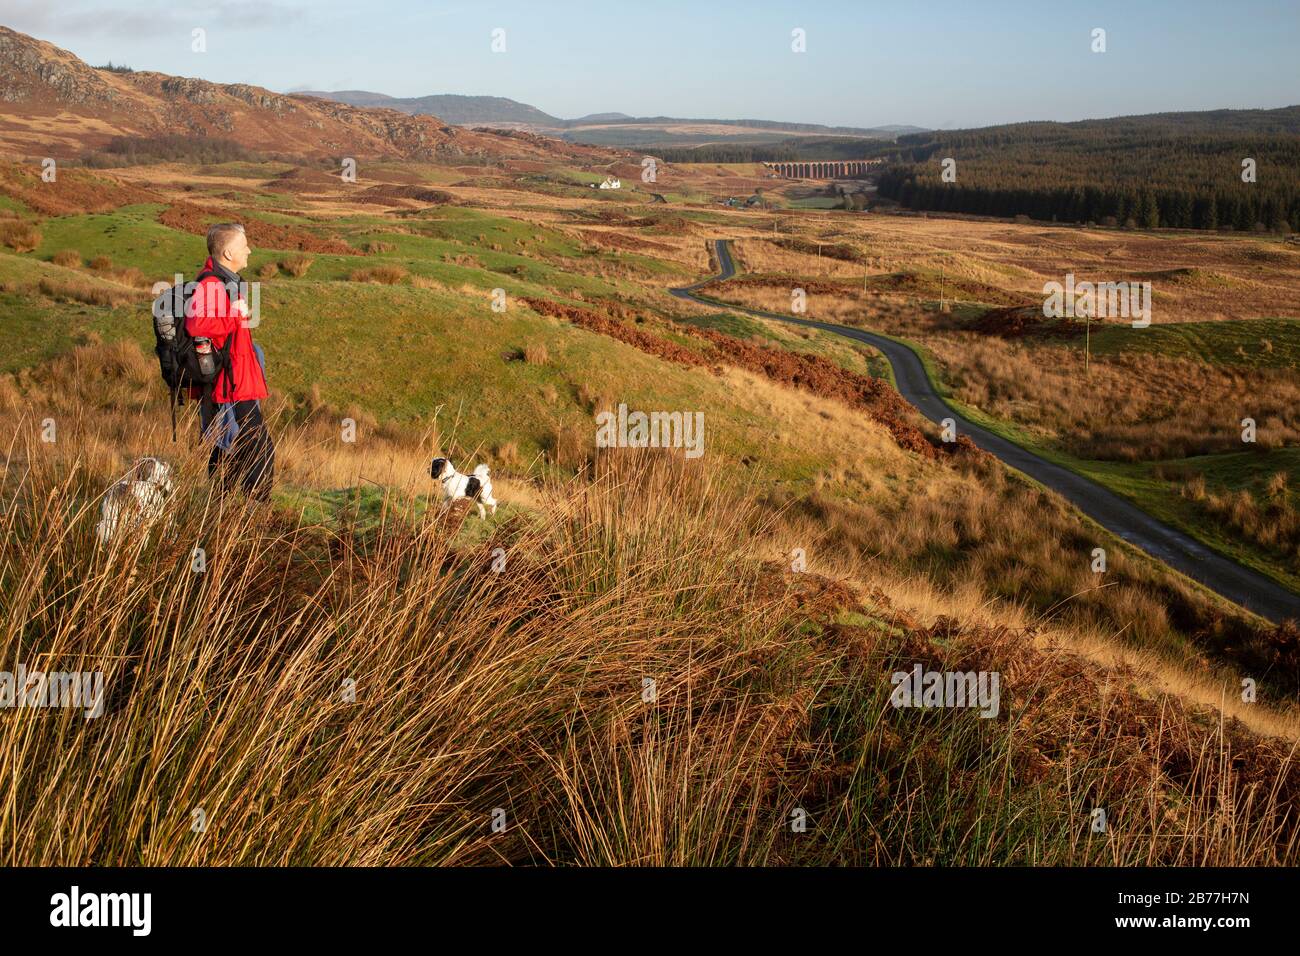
(789,148)
(452,108)
(600,118)
(902,130)
(603,129)
(355,98)
(755,124)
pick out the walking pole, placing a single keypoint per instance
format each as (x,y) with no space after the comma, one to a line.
(1087,343)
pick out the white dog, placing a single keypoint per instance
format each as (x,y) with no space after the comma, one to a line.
(476,487)
(136,499)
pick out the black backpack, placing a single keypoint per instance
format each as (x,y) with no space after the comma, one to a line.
(186,361)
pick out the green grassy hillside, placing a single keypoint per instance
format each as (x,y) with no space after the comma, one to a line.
(1270,343)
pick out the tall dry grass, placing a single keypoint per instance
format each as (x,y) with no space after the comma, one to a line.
(89,292)
(296,265)
(372,688)
(20,235)
(226,689)
(1020,547)
(1264,515)
(1126,407)
(385,274)
(623,682)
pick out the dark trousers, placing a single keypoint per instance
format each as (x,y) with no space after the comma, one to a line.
(250,462)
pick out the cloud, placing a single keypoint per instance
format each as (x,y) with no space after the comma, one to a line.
(147,18)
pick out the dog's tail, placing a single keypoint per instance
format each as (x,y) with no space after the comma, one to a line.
(480,471)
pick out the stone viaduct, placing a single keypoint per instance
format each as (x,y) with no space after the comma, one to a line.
(828,169)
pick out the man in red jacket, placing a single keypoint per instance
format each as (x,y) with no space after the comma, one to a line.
(232,418)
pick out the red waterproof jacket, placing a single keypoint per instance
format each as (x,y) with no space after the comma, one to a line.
(214,315)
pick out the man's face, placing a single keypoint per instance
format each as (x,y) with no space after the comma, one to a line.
(236,254)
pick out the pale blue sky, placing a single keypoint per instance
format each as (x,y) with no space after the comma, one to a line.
(934,63)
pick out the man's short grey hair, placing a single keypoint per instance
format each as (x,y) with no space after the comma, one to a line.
(221,235)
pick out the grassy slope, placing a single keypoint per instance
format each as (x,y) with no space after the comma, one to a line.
(1140,482)
(1267,343)
(1220,341)
(131,236)
(448,348)
(1248,343)
(856,358)
(448,342)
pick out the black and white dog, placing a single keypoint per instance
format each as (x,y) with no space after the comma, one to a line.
(476,487)
(137,499)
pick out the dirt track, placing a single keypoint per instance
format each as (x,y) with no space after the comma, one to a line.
(1180,551)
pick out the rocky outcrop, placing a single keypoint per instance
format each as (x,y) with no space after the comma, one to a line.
(32,70)
(192,91)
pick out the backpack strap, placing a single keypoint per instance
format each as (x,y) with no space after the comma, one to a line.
(227,365)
